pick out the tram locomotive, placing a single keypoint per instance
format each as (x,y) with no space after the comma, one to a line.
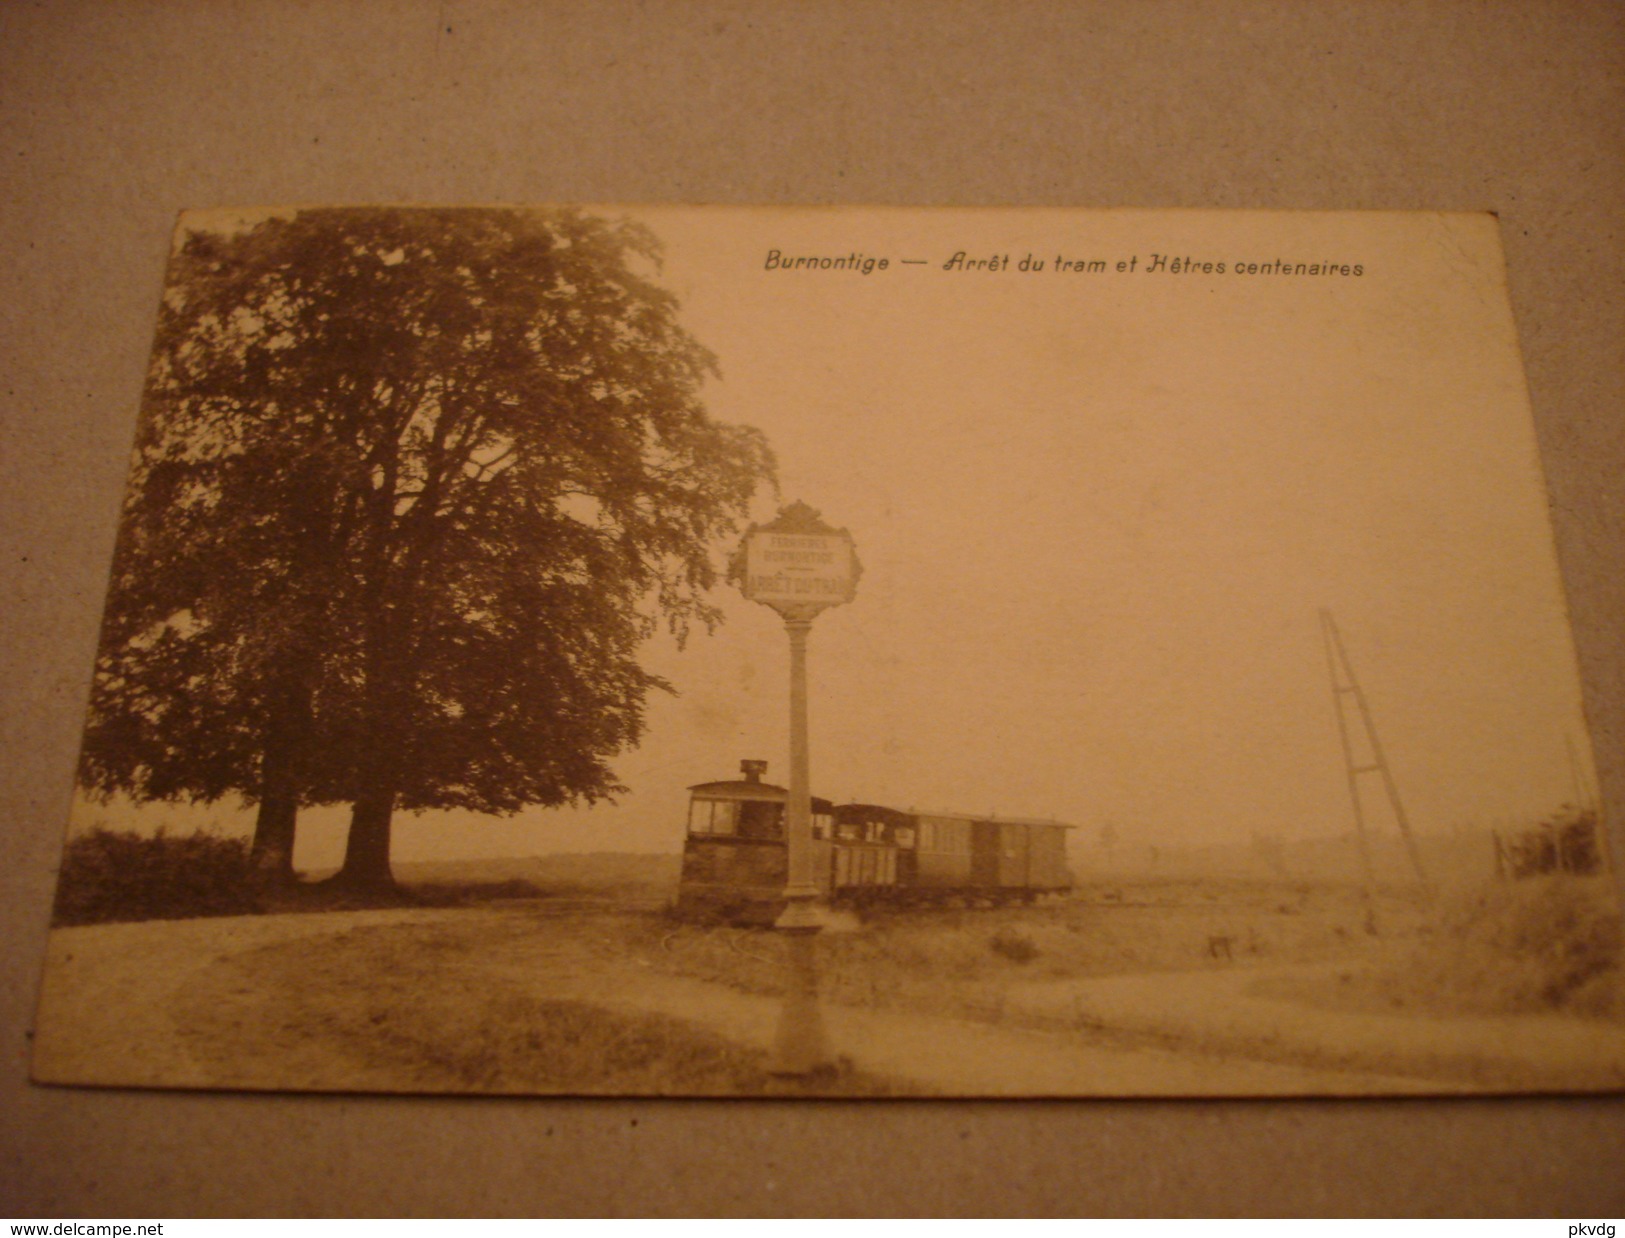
(735,862)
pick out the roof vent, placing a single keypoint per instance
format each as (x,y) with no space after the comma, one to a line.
(753,770)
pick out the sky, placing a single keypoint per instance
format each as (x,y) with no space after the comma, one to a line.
(1098,513)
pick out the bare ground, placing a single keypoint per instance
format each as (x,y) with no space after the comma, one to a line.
(1252,1011)
(389,1000)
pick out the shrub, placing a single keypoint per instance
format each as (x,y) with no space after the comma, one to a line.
(108,875)
(1548,943)
(1568,842)
(1017,947)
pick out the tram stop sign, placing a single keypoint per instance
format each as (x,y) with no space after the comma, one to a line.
(797,564)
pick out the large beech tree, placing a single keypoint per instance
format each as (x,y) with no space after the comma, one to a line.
(411,488)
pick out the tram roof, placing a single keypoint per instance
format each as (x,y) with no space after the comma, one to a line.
(856,806)
(745,789)
(997,818)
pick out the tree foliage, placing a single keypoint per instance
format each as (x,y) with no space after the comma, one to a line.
(411,488)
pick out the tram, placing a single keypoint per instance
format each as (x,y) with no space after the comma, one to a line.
(735,861)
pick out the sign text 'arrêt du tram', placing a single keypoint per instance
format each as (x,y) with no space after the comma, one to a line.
(798,568)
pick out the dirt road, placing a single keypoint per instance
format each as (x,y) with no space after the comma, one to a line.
(123,1002)
(1238,1011)
(961,1057)
(108,1009)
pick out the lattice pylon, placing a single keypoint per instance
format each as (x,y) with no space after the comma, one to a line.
(1346,688)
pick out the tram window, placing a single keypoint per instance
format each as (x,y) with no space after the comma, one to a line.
(713,817)
(760,818)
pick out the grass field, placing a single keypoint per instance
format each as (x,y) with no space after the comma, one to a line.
(1545,945)
(431,1008)
(568,974)
(962,962)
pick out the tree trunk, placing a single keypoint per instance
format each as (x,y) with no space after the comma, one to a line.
(280,780)
(272,853)
(386,694)
(366,851)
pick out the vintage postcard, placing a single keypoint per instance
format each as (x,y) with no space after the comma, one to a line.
(835,652)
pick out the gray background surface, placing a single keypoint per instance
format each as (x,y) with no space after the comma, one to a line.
(115,116)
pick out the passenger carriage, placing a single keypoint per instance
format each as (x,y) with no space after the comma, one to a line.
(994,860)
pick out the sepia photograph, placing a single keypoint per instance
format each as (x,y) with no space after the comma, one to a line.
(862,652)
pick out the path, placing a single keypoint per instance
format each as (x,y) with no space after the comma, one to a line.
(106,1012)
(1231,1009)
(963,1058)
(109,1017)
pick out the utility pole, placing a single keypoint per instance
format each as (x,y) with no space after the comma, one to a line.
(1346,688)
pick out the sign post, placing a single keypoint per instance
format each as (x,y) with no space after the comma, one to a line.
(799,566)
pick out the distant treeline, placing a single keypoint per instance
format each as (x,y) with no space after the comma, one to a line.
(110,876)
